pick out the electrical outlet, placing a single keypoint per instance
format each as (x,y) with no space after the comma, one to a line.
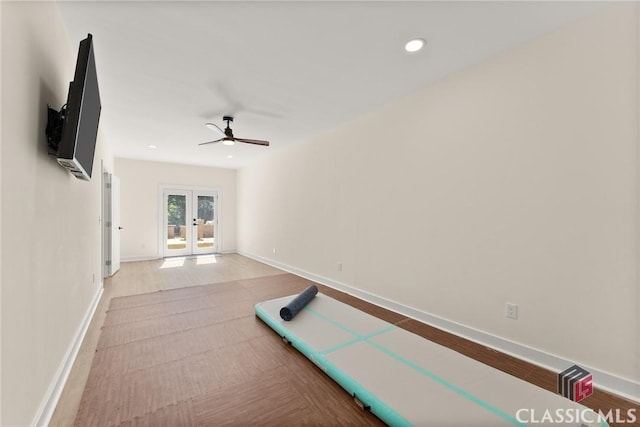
(339,266)
(511,310)
(274,251)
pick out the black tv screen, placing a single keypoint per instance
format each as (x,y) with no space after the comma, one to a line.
(80,128)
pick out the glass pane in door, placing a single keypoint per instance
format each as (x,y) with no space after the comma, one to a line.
(205,222)
(176,222)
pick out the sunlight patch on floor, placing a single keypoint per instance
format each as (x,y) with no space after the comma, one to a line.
(206,259)
(173,262)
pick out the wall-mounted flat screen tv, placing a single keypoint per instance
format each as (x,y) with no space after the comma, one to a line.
(80,127)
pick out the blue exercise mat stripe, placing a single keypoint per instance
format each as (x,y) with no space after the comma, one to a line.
(358,339)
(377,406)
(447,384)
(431,375)
(319,356)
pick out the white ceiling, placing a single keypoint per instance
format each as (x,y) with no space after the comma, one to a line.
(287,71)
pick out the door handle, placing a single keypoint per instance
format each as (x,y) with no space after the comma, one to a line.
(119,228)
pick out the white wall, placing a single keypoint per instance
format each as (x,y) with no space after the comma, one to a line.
(513,181)
(0,214)
(50,220)
(140,184)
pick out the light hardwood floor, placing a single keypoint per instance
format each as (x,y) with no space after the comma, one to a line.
(144,277)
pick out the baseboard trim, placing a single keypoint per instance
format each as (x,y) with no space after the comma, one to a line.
(154,257)
(139,258)
(611,383)
(51,397)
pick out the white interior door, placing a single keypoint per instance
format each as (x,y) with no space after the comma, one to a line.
(115,225)
(111,223)
(190,222)
(106,223)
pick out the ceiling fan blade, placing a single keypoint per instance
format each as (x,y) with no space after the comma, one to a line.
(211,142)
(215,128)
(253,141)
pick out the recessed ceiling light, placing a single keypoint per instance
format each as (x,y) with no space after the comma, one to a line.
(414,45)
(229,156)
(152,146)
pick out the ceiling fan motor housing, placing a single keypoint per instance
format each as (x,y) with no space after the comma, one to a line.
(228,130)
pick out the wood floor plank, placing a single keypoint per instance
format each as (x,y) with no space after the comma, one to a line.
(163,348)
(213,302)
(122,333)
(179,414)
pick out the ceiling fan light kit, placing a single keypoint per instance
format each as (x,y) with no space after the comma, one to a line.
(227,135)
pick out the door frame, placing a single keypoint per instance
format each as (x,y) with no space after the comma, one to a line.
(195,188)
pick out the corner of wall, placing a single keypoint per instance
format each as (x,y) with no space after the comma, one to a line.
(637,5)
(1,180)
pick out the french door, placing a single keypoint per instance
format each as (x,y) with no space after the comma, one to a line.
(190,222)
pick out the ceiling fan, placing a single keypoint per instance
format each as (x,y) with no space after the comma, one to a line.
(227,135)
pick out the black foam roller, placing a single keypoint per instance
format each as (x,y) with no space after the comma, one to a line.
(290,310)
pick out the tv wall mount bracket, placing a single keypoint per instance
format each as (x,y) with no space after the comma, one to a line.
(55,123)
